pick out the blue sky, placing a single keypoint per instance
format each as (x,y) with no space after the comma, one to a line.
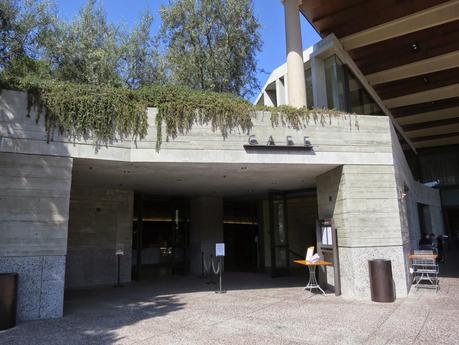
(270,13)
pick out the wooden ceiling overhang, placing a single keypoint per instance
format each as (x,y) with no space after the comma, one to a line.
(409,52)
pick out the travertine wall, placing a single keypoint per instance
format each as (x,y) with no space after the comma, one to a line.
(34,204)
(100,223)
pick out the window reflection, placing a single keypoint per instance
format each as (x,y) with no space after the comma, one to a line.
(345,92)
(309,91)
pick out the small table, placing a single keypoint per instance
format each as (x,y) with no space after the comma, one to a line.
(422,256)
(428,272)
(313,284)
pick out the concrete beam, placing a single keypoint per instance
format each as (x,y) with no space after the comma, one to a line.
(433,16)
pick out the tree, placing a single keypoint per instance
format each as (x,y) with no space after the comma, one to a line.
(86,50)
(24,28)
(212,44)
(141,57)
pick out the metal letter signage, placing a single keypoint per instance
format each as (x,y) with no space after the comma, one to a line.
(219,249)
(271,145)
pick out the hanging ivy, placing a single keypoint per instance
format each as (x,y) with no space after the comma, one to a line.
(104,112)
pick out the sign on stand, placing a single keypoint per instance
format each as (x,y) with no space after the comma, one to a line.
(220,253)
(219,249)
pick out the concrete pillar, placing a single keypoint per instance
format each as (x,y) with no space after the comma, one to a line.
(100,223)
(268,101)
(319,84)
(280,92)
(34,214)
(362,200)
(206,228)
(295,65)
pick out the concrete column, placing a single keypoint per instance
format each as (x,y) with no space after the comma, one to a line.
(295,65)
(319,83)
(34,214)
(100,223)
(206,228)
(268,101)
(362,200)
(280,92)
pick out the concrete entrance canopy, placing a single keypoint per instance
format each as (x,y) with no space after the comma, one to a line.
(68,204)
(193,179)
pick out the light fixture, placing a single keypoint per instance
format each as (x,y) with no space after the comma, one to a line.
(306,141)
(415,46)
(290,141)
(402,194)
(253,140)
(425,80)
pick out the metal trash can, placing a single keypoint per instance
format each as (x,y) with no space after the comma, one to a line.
(381,281)
(8,299)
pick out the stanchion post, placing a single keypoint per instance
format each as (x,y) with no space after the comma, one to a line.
(119,253)
(220,269)
(220,253)
(119,270)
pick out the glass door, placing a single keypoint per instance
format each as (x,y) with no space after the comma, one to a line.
(279,234)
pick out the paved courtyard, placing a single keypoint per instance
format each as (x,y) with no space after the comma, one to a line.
(256,310)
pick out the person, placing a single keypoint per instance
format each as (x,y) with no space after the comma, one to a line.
(441,255)
(425,242)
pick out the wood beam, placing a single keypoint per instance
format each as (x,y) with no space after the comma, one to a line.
(425,19)
(431,65)
(345,20)
(402,50)
(424,82)
(442,114)
(424,107)
(436,142)
(424,96)
(440,130)
(430,124)
(436,137)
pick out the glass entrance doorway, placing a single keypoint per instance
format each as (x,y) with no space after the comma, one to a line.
(292,217)
(241,236)
(160,237)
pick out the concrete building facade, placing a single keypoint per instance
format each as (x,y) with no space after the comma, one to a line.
(69,205)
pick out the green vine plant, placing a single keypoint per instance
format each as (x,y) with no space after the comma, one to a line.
(104,112)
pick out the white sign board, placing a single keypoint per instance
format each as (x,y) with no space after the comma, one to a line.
(119,252)
(219,249)
(327,238)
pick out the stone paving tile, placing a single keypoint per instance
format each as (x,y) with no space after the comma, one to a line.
(262,311)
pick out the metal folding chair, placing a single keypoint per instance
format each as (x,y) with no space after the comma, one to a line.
(425,271)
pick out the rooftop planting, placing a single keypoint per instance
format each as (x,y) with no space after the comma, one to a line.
(106,112)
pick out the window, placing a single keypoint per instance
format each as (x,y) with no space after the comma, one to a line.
(309,92)
(334,78)
(345,92)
